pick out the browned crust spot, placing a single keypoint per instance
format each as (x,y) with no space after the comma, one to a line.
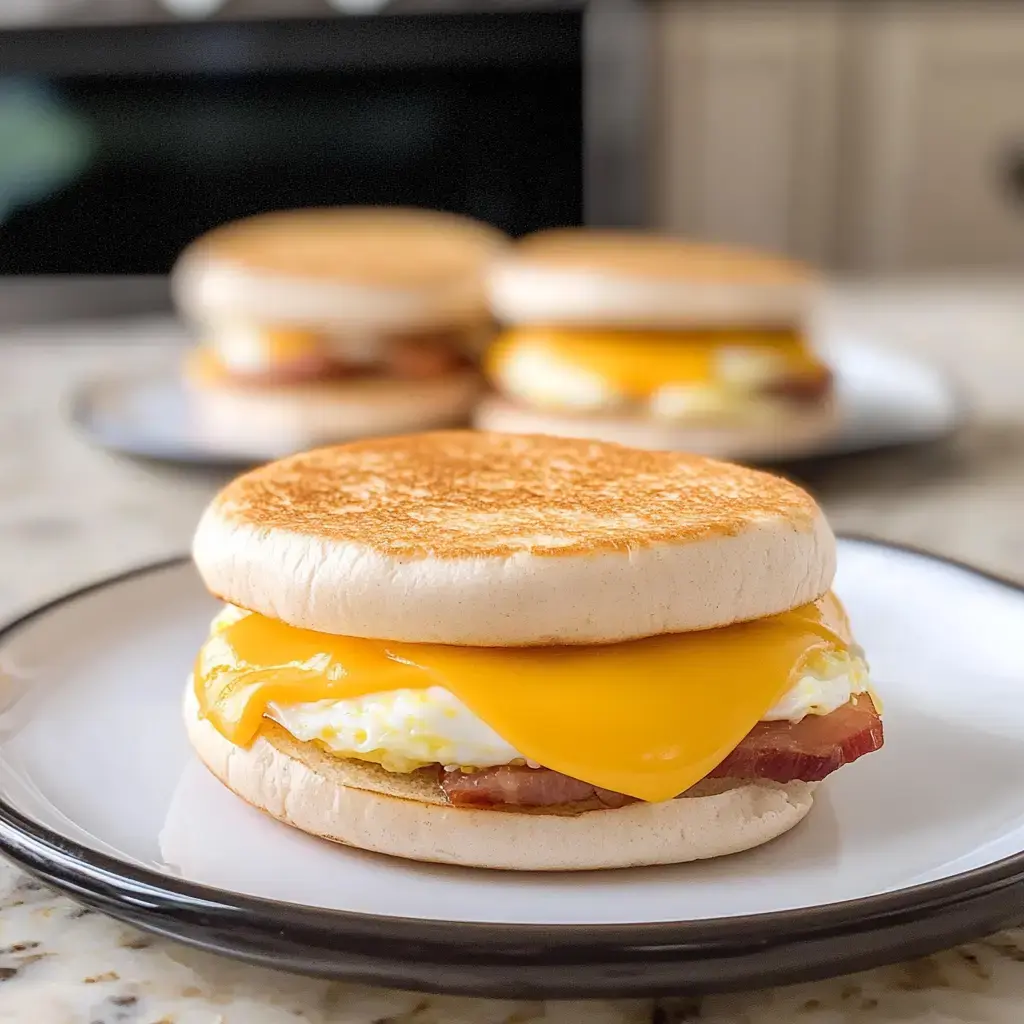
(459,494)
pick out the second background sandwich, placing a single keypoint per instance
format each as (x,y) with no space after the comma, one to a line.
(657,343)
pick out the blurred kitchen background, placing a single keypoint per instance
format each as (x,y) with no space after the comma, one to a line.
(873,138)
(883,140)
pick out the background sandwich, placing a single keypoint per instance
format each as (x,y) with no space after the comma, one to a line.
(657,343)
(332,324)
(525,652)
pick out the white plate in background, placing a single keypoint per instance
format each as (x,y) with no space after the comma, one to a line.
(886,399)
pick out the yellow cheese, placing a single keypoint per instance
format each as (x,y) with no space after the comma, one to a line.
(287,344)
(638,363)
(276,348)
(648,718)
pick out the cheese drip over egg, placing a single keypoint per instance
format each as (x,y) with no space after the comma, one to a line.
(648,718)
(581,370)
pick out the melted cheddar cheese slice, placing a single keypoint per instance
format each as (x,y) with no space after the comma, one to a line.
(639,363)
(648,718)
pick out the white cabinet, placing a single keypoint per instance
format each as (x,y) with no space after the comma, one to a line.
(875,136)
(937,119)
(746,123)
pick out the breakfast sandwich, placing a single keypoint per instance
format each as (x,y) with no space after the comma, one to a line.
(525,652)
(333,324)
(658,343)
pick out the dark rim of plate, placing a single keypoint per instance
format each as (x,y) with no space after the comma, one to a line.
(109,881)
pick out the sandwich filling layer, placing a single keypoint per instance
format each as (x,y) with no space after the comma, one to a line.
(260,354)
(670,375)
(783,698)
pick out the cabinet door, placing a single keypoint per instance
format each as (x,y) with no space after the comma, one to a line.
(936,137)
(746,123)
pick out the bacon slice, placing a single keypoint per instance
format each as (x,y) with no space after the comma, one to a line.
(780,751)
(808,388)
(411,359)
(416,358)
(810,750)
(518,786)
(315,366)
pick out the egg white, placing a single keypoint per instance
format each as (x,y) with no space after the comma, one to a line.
(673,402)
(240,347)
(542,378)
(245,348)
(748,368)
(406,729)
(403,730)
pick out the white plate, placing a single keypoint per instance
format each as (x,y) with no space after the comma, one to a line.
(885,399)
(100,794)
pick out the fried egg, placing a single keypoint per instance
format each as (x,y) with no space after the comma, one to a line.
(406,729)
(685,401)
(401,730)
(248,348)
(540,376)
(537,376)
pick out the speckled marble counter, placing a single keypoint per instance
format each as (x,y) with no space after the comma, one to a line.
(70,514)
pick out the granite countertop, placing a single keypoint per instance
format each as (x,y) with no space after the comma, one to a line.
(70,514)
